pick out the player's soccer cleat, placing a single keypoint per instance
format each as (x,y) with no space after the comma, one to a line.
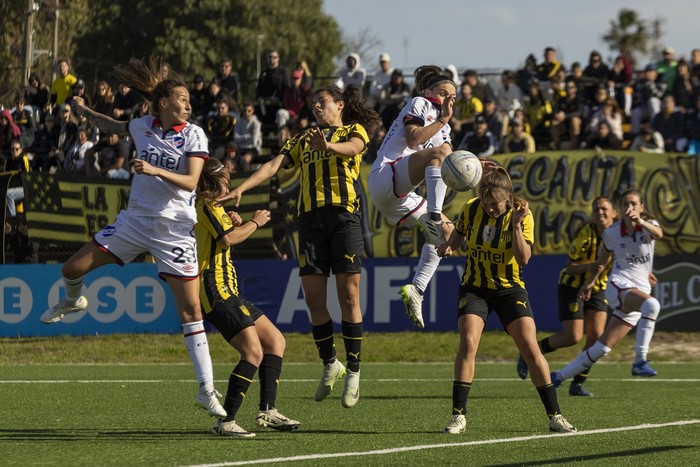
(577,389)
(208,401)
(413,300)
(62,308)
(457,424)
(643,369)
(273,419)
(556,379)
(231,428)
(560,425)
(522,367)
(332,373)
(432,230)
(351,390)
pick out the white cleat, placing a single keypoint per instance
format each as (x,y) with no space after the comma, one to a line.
(58,311)
(332,373)
(208,401)
(351,390)
(457,424)
(413,300)
(433,230)
(231,428)
(275,420)
(560,425)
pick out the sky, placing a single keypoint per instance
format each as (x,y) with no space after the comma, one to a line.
(498,34)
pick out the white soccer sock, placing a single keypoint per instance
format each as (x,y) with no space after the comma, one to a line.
(198,348)
(74,287)
(645,328)
(435,187)
(427,265)
(584,360)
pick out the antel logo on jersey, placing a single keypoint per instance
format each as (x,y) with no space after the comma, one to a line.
(143,300)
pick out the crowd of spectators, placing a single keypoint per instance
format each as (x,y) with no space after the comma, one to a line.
(540,106)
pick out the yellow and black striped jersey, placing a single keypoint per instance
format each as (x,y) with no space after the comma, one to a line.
(216,271)
(327,179)
(584,249)
(490,260)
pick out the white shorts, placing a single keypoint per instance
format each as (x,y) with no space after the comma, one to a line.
(615,293)
(393,194)
(172,244)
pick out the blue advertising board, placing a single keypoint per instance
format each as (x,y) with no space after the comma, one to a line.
(131,299)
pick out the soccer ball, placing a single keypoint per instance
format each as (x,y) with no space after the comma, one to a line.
(461,170)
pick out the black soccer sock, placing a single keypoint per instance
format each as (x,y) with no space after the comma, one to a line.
(323,337)
(352,337)
(238,384)
(270,371)
(583,376)
(545,347)
(460,394)
(548,395)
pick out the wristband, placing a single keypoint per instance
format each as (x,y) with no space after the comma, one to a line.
(257,226)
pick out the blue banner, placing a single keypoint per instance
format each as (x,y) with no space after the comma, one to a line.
(131,299)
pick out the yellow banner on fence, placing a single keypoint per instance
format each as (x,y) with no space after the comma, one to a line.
(560,188)
(67,210)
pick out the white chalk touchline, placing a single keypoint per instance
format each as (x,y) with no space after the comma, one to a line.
(379,452)
(315,380)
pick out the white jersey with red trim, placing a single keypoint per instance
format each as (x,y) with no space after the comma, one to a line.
(420,111)
(634,255)
(170,150)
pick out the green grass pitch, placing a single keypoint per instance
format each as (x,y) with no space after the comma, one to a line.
(143,414)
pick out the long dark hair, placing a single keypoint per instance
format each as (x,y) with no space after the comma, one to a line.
(356,109)
(154,80)
(213,177)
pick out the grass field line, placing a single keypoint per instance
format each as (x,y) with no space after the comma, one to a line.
(552,363)
(421,447)
(314,380)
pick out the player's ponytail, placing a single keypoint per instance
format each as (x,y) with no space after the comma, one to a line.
(153,80)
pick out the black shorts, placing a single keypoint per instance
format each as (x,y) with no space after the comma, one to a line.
(330,239)
(570,306)
(509,304)
(233,316)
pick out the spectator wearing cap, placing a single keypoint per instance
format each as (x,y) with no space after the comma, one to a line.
(647,93)
(295,102)
(480,141)
(199,100)
(380,81)
(228,78)
(62,86)
(79,90)
(517,139)
(667,66)
(126,102)
(352,74)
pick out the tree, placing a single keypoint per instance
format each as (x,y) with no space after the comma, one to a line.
(628,34)
(72,21)
(364,43)
(194,36)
